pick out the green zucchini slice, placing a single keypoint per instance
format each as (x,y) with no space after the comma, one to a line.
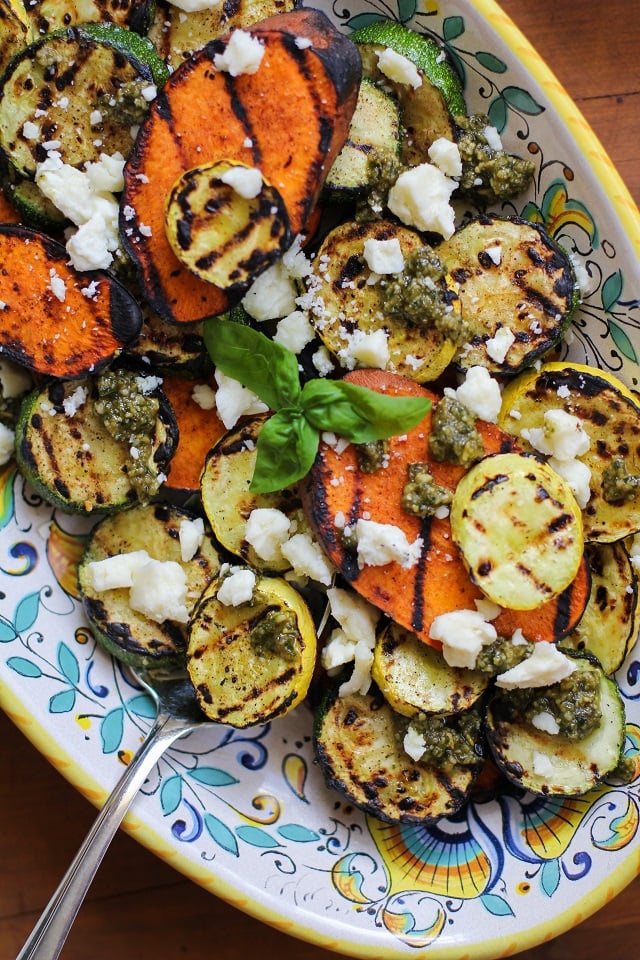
(358,741)
(519,530)
(81,90)
(374,135)
(428,111)
(16,31)
(124,632)
(253,661)
(66,453)
(549,763)
(414,677)
(513,280)
(51,15)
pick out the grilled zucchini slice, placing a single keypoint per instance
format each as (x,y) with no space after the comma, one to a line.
(519,530)
(228,502)
(549,763)
(124,632)
(16,31)
(252,662)
(428,111)
(72,461)
(609,413)
(84,88)
(346,302)
(607,629)
(374,135)
(50,15)
(358,741)
(511,277)
(171,349)
(414,677)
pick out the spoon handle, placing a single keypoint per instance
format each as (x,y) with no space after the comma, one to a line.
(50,932)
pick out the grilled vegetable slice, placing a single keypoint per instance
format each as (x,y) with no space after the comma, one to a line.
(338,491)
(358,743)
(78,322)
(227,500)
(65,451)
(35,209)
(15,30)
(206,114)
(252,662)
(415,679)
(84,88)
(121,630)
(549,763)
(171,349)
(428,109)
(610,414)
(346,303)
(608,626)
(513,280)
(374,135)
(225,234)
(199,429)
(50,15)
(519,529)
(178,36)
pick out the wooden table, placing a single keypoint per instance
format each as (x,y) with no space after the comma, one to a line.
(138,907)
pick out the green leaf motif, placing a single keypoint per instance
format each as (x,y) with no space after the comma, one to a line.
(298,834)
(24,667)
(68,664)
(363,20)
(212,777)
(220,834)
(171,794)
(7,631)
(257,837)
(111,730)
(27,612)
(522,101)
(612,291)
(622,341)
(495,905)
(490,62)
(498,114)
(550,877)
(452,28)
(143,706)
(62,702)
(406,10)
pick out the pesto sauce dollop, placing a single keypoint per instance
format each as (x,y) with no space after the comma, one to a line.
(618,485)
(421,495)
(450,740)
(454,436)
(489,174)
(419,296)
(574,703)
(276,632)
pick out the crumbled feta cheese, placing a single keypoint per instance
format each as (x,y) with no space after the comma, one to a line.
(246,181)
(106,175)
(294,331)
(382,543)
(322,361)
(190,537)
(204,396)
(303,43)
(113,573)
(237,588)
(499,344)
(542,764)
(546,722)
(479,393)
(357,617)
(30,130)
(578,476)
(272,294)
(581,274)
(366,350)
(420,198)
(307,559)
(494,253)
(159,591)
(562,436)
(266,530)
(545,666)
(7,443)
(463,634)
(398,68)
(57,285)
(74,401)
(243,54)
(383,256)
(414,743)
(295,260)
(446,156)
(492,137)
(234,401)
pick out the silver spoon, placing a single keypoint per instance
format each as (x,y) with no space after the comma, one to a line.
(178,714)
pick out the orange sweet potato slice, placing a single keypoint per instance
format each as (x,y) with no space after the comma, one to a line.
(198,431)
(439,582)
(289,119)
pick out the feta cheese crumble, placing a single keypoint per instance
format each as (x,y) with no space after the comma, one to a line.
(545,666)
(382,543)
(463,634)
(420,198)
(243,54)
(480,393)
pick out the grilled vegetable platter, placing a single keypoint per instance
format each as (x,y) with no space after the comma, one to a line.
(278,330)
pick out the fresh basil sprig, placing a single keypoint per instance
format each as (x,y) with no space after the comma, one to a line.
(288,441)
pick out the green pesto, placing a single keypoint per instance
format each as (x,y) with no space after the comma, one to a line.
(276,632)
(501,655)
(454,436)
(618,485)
(489,175)
(129,416)
(383,169)
(419,296)
(449,740)
(372,455)
(127,104)
(574,702)
(421,495)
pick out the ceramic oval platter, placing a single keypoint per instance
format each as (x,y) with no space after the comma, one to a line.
(246,814)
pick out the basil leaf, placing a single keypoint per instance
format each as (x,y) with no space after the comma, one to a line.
(357,413)
(246,355)
(287,446)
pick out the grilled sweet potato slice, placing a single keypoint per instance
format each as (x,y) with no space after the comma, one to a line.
(338,489)
(204,115)
(55,320)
